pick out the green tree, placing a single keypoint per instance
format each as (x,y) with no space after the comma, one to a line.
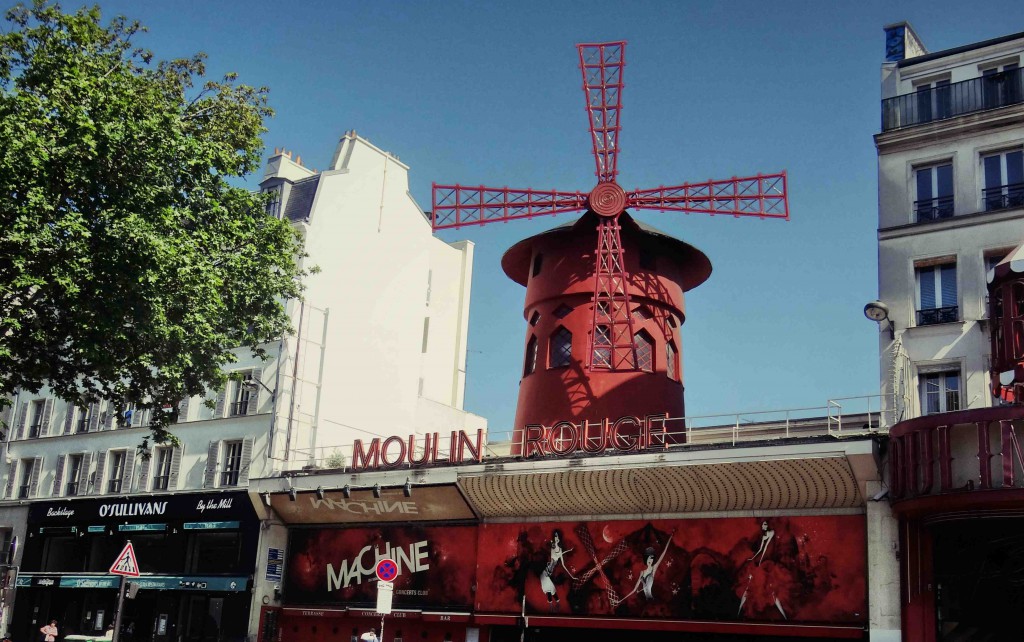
(130,265)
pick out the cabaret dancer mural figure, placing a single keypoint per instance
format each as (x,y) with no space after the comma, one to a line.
(763,581)
(645,582)
(557,557)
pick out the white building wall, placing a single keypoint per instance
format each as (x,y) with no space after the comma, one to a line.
(378,260)
(967,238)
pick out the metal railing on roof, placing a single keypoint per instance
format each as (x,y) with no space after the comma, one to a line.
(946,101)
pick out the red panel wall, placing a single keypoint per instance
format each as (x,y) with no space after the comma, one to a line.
(797,569)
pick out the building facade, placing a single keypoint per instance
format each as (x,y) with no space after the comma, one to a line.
(951,208)
(272,417)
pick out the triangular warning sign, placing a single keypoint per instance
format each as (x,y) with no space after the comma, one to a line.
(126,564)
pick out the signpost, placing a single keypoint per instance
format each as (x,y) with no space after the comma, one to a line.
(387,571)
(126,565)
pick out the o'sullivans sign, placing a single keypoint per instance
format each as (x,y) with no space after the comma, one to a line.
(626,434)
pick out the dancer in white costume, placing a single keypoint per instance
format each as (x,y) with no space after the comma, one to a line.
(557,557)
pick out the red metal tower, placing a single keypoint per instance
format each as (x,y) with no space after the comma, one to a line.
(763,196)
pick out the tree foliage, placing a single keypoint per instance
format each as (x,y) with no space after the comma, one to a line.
(130,265)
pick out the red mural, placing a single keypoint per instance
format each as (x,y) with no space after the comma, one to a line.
(436,565)
(796,569)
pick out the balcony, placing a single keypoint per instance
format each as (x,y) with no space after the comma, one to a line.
(957,460)
(933,209)
(1003,197)
(956,99)
(932,316)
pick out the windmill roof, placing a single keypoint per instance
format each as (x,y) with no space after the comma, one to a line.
(516,260)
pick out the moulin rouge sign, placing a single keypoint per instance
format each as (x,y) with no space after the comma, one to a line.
(628,434)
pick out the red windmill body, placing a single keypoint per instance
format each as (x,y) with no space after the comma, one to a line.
(623,292)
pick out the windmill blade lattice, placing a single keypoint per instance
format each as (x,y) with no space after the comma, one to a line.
(612,339)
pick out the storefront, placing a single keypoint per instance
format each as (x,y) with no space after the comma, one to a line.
(196,553)
(719,578)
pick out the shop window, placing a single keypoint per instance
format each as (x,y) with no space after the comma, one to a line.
(64,553)
(531,356)
(214,552)
(560,348)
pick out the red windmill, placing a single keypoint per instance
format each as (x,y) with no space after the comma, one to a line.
(763,196)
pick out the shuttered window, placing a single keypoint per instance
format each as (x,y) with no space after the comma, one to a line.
(936,294)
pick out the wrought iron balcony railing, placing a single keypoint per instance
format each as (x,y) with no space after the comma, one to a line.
(947,314)
(955,99)
(933,209)
(1003,197)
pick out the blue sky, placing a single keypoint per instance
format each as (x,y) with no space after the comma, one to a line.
(489,93)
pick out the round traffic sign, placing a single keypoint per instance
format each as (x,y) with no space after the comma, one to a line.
(387,570)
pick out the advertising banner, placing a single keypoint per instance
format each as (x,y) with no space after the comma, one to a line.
(436,565)
(775,569)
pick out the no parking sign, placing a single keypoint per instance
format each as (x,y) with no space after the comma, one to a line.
(387,571)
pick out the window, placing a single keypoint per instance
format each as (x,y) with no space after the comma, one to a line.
(162,475)
(1001,86)
(602,356)
(273,201)
(933,101)
(530,363)
(671,365)
(534,318)
(426,334)
(644,351)
(25,487)
(5,546)
(642,313)
(934,192)
(562,311)
(240,402)
(82,425)
(560,349)
(1004,180)
(936,294)
(74,476)
(117,463)
(538,261)
(430,280)
(36,418)
(232,463)
(940,391)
